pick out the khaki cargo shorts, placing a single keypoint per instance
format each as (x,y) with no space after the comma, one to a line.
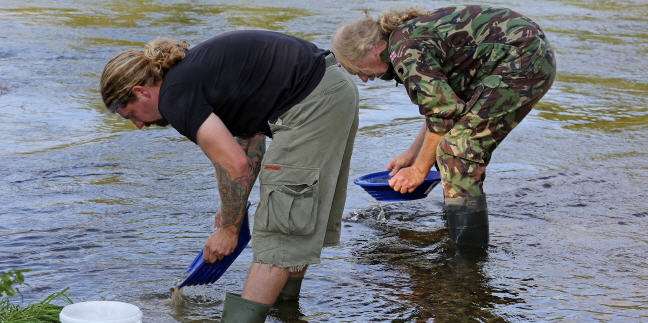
(304,174)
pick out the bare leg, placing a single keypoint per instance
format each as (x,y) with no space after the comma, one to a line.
(264,282)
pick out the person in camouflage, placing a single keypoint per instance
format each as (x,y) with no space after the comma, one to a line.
(475,72)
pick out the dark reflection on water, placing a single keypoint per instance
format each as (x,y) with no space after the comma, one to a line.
(287,311)
(444,284)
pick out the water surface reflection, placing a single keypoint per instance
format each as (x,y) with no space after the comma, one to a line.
(444,284)
(91,203)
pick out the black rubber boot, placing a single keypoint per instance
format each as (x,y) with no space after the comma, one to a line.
(240,310)
(290,291)
(467,221)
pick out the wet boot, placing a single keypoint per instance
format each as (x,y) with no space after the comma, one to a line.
(286,307)
(467,219)
(240,310)
(290,291)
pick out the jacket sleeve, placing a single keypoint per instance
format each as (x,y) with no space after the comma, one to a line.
(427,84)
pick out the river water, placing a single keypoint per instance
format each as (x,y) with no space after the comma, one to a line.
(114,213)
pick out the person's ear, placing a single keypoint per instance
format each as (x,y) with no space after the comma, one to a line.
(378,48)
(141,91)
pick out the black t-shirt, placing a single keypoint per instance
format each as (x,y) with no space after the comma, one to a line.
(244,77)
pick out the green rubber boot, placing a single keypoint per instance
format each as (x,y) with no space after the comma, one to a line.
(240,310)
(290,291)
(467,221)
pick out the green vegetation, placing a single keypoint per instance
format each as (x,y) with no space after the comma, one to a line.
(7,280)
(42,311)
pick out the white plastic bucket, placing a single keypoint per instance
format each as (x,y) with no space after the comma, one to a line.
(101,312)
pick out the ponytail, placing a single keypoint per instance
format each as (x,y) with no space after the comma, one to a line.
(138,67)
(390,19)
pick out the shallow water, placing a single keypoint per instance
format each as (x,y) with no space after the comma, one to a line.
(114,213)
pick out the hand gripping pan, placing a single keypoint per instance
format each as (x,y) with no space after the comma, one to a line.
(201,273)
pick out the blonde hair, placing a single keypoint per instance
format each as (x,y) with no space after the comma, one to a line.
(353,40)
(138,67)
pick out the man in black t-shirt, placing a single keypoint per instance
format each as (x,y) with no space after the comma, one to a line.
(226,95)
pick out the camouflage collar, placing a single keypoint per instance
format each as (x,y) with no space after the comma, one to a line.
(389,74)
(384,55)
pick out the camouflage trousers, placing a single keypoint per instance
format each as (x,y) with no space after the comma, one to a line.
(498,104)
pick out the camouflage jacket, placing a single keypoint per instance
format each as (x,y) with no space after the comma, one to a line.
(443,57)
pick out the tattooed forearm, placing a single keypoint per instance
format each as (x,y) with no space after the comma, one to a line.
(234,192)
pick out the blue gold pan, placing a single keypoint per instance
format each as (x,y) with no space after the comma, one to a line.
(377,185)
(201,273)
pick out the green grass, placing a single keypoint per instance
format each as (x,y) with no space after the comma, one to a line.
(43,311)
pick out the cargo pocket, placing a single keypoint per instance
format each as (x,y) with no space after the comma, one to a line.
(289,199)
(485,88)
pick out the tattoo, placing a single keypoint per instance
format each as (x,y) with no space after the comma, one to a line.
(234,192)
(254,149)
